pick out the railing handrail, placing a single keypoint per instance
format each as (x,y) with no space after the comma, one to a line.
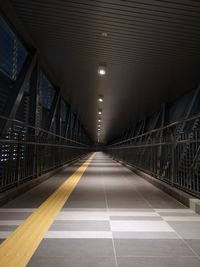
(158,129)
(185,141)
(15,141)
(41,130)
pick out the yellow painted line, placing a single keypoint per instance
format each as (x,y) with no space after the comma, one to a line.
(19,247)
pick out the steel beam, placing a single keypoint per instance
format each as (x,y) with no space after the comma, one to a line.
(58,117)
(189,109)
(71,121)
(67,122)
(19,87)
(74,128)
(34,96)
(77,129)
(161,137)
(54,107)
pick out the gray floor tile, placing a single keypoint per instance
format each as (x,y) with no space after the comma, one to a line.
(178,214)
(144,235)
(8,227)
(154,247)
(187,230)
(136,218)
(158,262)
(132,210)
(75,248)
(125,204)
(14,215)
(194,244)
(80,226)
(84,195)
(85,204)
(72,262)
(85,209)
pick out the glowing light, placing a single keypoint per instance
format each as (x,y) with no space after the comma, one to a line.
(102,70)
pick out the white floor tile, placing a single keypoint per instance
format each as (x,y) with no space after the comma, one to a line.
(140,226)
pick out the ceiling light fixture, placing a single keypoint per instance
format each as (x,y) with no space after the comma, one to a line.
(99,120)
(102,69)
(102,72)
(104,34)
(100,99)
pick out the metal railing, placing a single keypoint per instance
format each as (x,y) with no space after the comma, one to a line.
(27,152)
(170,153)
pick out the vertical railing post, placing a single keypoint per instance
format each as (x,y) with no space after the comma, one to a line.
(18,169)
(173,159)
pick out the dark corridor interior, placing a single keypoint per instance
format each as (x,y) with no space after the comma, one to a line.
(106,90)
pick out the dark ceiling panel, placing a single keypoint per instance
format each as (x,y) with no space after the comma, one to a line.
(151,51)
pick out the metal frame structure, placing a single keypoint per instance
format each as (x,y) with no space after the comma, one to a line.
(33,138)
(29,156)
(169,151)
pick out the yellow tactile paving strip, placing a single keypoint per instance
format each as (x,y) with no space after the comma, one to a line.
(18,248)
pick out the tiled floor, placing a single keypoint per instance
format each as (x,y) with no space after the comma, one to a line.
(112,219)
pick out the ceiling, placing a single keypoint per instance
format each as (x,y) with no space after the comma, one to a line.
(151,51)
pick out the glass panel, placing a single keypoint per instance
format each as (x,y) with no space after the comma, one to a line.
(12,52)
(47,92)
(63,110)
